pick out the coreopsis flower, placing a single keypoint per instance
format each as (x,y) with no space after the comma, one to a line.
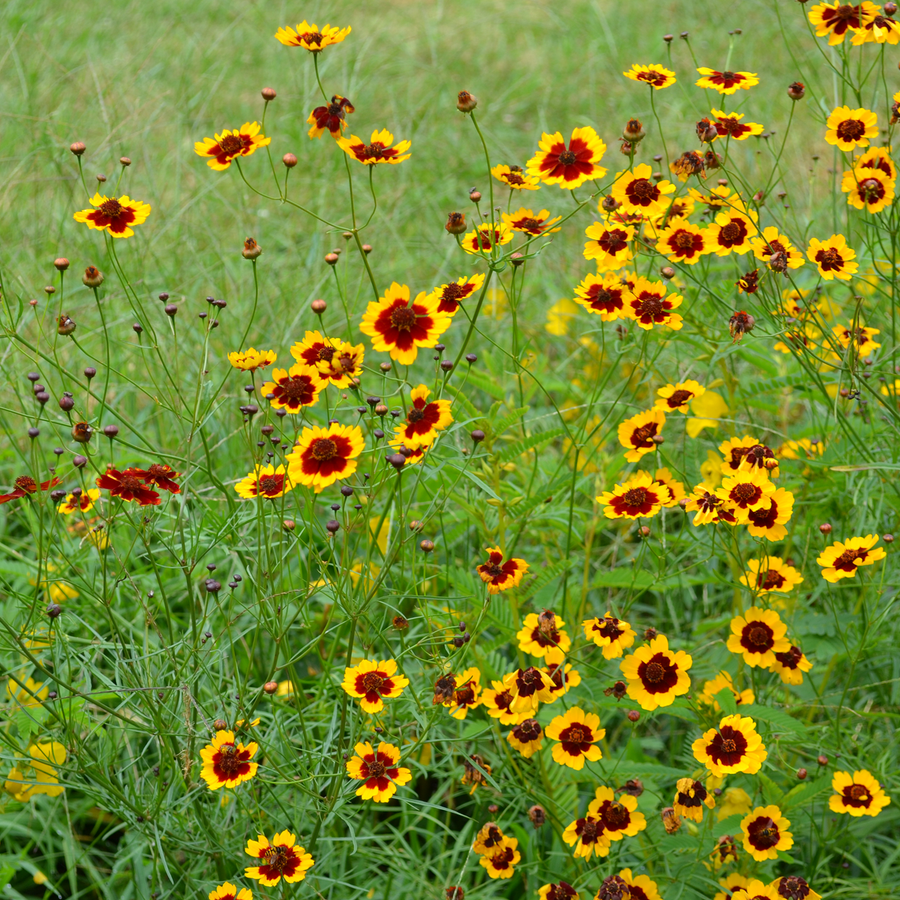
(726,82)
(637,192)
(527,737)
(724,852)
(570,165)
(475,771)
(868,189)
(487,236)
(790,665)
(283,858)
(252,359)
(530,687)
(731,883)
(609,245)
(690,798)
(489,837)
(675,397)
(336,361)
(757,636)
(733,747)
(603,295)
(731,232)
(877,158)
(730,125)
(310,37)
(224,148)
(770,574)
(879,30)
(160,476)
(843,558)
(115,216)
(293,389)
(322,456)
(499,575)
(560,890)
(448,296)
(709,507)
(723,682)
(769,520)
(672,490)
(28,694)
(497,701)
(620,817)
(129,485)
(38,774)
(378,771)
(226,762)
(399,326)
(766,832)
(636,434)
(833,257)
(649,304)
(793,887)
(690,163)
(851,128)
(655,674)
(265,481)
(378,150)
(684,242)
(516,178)
(657,76)
(466,694)
(544,637)
(748,454)
(859,794)
(860,338)
(576,734)
(612,635)
(424,419)
(527,221)
(754,889)
(229,891)
(640,887)
(745,491)
(501,860)
(773,247)
(373,682)
(331,118)
(636,498)
(588,836)
(83,501)
(562,677)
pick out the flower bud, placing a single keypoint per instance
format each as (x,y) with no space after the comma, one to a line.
(251,249)
(220,725)
(77,148)
(888,538)
(62,263)
(822,760)
(426,546)
(609,203)
(456,223)
(289,160)
(64,325)
(332,526)
(517,259)
(796,90)
(801,774)
(270,686)
(537,815)
(367,249)
(66,404)
(890,8)
(739,324)
(477,436)
(100,178)
(268,94)
(706,131)
(400,623)
(331,259)
(474,195)
(825,528)
(92,277)
(633,715)
(124,161)
(82,432)
(110,431)
(634,131)
(454,893)
(667,272)
(465,102)
(79,461)
(288,525)
(54,610)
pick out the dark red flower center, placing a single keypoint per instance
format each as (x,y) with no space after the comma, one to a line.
(528,731)
(312,37)
(746,493)
(609,628)
(650,306)
(847,560)
(642,191)
(642,437)
(372,682)
(829,258)
(679,398)
(455,292)
(727,746)
(567,158)
(658,675)
(403,318)
(268,485)
(871,190)
(576,735)
(763,833)
(376,769)
(635,497)
(512,178)
(229,760)
(278,859)
(590,830)
(323,449)
(325,352)
(759,635)
(296,390)
(654,673)
(732,233)
(231,144)
(684,240)
(415,415)
(851,130)
(111,208)
(772,580)
(793,888)
(26,483)
(790,659)
(130,483)
(614,888)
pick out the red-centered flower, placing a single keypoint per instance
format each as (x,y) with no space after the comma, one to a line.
(160,476)
(765,833)
(224,148)
(684,242)
(308,36)
(499,575)
(515,178)
(448,296)
(322,456)
(114,215)
(637,433)
(330,118)
(226,762)
(264,481)
(731,232)
(378,150)
(129,485)
(26,485)
(636,498)
(529,222)
(568,165)
(487,236)
(609,245)
(859,794)
(371,681)
(649,304)
(378,771)
(657,76)
(604,295)
(730,125)
(400,326)
(283,858)
(726,82)
(576,733)
(637,192)
(294,388)
(837,18)
(424,419)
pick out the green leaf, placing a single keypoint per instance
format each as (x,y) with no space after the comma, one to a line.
(725,698)
(529,443)
(488,385)
(804,793)
(509,420)
(778,718)
(771,791)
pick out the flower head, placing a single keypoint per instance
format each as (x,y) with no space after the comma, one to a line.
(676,397)
(497,701)
(774,248)
(612,635)
(400,326)
(603,295)
(731,232)
(129,485)
(745,491)
(793,888)
(843,558)
(637,433)
(527,737)
(770,574)
(264,481)
(283,858)
(649,304)
(690,798)
(293,389)
(851,128)
(372,682)
(684,242)
(833,257)
(657,76)
(378,150)
(868,189)
(726,82)
(636,498)
(836,19)
(757,636)
(226,762)
(858,794)
(516,178)
(501,860)
(466,693)
(560,890)
(487,236)
(609,245)
(424,419)
(576,733)
(529,687)
(619,817)
(765,833)
(655,674)
(543,637)
(730,125)
(561,677)
(641,887)
(588,836)
(733,747)
(769,520)
(568,165)
(40,775)
(527,221)
(25,486)
(499,575)
(228,891)
(83,501)
(448,296)
(857,338)
(637,192)
(224,148)
(331,118)
(116,216)
(252,359)
(322,456)
(790,665)
(310,37)
(378,771)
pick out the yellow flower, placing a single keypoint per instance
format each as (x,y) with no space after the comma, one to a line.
(733,747)
(765,833)
(310,38)
(833,257)
(655,674)
(859,794)
(44,762)
(850,128)
(27,695)
(757,636)
(770,574)
(842,559)
(226,147)
(735,802)
(283,858)
(657,76)
(577,733)
(252,359)
(226,762)
(726,82)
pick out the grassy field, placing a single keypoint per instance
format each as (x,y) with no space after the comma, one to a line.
(146,658)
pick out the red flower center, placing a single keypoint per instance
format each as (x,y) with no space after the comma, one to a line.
(857,792)
(325,353)
(746,493)
(111,208)
(232,144)
(847,560)
(268,485)
(372,682)
(455,292)
(851,130)
(312,37)
(376,769)
(679,398)
(229,760)
(760,635)
(131,483)
(528,731)
(642,436)
(26,483)
(576,735)
(684,240)
(635,497)
(773,580)
(793,888)
(871,190)
(324,449)
(650,306)
(642,192)
(403,318)
(567,158)
(732,233)
(654,673)
(296,390)
(790,659)
(415,415)
(590,831)
(278,858)
(763,833)
(609,628)
(830,258)
(514,179)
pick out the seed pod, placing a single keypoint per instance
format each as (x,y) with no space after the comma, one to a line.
(456,223)
(466,102)
(671,820)
(251,249)
(82,432)
(537,815)
(92,277)
(64,325)
(270,687)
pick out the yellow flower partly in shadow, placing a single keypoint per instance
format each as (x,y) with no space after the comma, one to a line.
(37,775)
(707,409)
(28,693)
(561,315)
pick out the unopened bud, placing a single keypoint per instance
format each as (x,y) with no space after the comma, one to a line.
(82,432)
(289,160)
(517,259)
(288,525)
(62,263)
(609,203)
(801,774)
(822,760)
(77,148)
(270,686)
(426,546)
(268,94)
(825,528)
(667,272)
(477,436)
(331,259)
(220,725)
(474,195)
(796,90)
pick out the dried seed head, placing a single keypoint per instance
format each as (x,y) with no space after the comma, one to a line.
(251,249)
(547,622)
(466,102)
(400,623)
(796,90)
(54,610)
(739,324)
(456,223)
(92,277)
(822,760)
(82,432)
(633,131)
(671,820)
(64,325)
(537,815)
(618,690)
(610,204)
(634,787)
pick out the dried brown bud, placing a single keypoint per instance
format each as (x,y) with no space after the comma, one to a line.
(456,223)
(634,786)
(400,623)
(796,90)
(77,148)
(64,325)
(633,131)
(426,546)
(618,690)
(270,687)
(739,324)
(92,277)
(706,131)
(537,815)
(474,195)
(650,633)
(62,264)
(367,249)
(822,760)
(890,8)
(82,432)
(268,94)
(443,689)
(465,102)
(633,715)
(671,820)
(454,893)
(251,249)
(609,203)
(802,773)
(547,622)
(289,160)
(888,538)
